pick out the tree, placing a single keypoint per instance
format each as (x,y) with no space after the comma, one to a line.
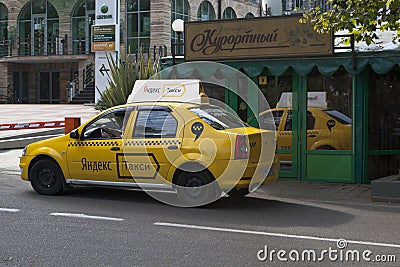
(122,77)
(361,18)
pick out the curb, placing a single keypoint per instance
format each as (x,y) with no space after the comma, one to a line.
(22,142)
(33,134)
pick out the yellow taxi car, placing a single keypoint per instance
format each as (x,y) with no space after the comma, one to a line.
(327,129)
(180,141)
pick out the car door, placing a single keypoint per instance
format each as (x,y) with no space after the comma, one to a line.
(93,156)
(155,143)
(284,131)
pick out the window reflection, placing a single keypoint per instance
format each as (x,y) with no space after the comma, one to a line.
(329,100)
(384,124)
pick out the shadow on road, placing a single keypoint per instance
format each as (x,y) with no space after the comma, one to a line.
(251,211)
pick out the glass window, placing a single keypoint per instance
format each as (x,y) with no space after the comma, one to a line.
(329,99)
(82,21)
(155,123)
(40,39)
(3,30)
(138,25)
(51,11)
(277,117)
(310,121)
(277,90)
(383,165)
(179,10)
(295,5)
(217,118)
(107,126)
(205,11)
(338,116)
(39,7)
(265,119)
(288,124)
(384,111)
(384,124)
(229,13)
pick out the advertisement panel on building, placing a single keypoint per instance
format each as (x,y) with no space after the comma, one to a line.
(254,38)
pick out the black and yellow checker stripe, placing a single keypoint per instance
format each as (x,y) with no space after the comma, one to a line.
(152,142)
(94,143)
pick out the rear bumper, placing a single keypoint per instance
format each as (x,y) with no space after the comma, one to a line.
(243,174)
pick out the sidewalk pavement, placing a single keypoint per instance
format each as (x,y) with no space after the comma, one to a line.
(24,113)
(285,190)
(289,189)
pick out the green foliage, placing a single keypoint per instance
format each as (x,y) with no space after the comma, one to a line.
(361,18)
(122,76)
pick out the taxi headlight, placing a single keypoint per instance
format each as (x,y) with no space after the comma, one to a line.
(24,151)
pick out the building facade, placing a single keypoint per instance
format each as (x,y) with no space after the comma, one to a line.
(45,45)
(335,111)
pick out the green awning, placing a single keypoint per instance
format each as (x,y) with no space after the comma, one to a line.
(380,63)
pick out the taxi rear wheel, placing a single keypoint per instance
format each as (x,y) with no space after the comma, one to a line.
(46,177)
(197,188)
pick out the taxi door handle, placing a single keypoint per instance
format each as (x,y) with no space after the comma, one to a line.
(173,147)
(311,135)
(115,148)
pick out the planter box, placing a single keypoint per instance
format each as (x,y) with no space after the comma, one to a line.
(386,189)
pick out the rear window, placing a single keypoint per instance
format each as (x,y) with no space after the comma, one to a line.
(340,117)
(217,118)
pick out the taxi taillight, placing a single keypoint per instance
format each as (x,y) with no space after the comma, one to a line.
(241,149)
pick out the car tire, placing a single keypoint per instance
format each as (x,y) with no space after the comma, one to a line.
(197,189)
(238,193)
(46,177)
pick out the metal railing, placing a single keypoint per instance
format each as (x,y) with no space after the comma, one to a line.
(74,88)
(39,46)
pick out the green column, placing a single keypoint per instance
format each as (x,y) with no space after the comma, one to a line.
(252,101)
(231,93)
(360,124)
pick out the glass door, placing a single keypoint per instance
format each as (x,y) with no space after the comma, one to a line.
(39,36)
(282,97)
(383,113)
(49,87)
(327,127)
(21,86)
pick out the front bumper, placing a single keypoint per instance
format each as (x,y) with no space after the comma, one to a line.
(24,162)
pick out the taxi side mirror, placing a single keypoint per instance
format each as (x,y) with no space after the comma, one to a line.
(74,134)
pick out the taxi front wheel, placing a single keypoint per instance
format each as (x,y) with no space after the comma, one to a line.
(46,177)
(197,189)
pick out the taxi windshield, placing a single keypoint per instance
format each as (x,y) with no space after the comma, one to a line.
(217,118)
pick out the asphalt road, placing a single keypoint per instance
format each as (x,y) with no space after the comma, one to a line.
(102,227)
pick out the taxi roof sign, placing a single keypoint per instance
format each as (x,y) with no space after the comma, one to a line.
(314,100)
(166,91)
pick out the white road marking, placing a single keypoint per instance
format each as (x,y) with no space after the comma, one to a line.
(84,216)
(9,210)
(199,227)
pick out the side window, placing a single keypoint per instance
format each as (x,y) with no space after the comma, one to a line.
(288,124)
(277,117)
(310,121)
(155,123)
(109,126)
